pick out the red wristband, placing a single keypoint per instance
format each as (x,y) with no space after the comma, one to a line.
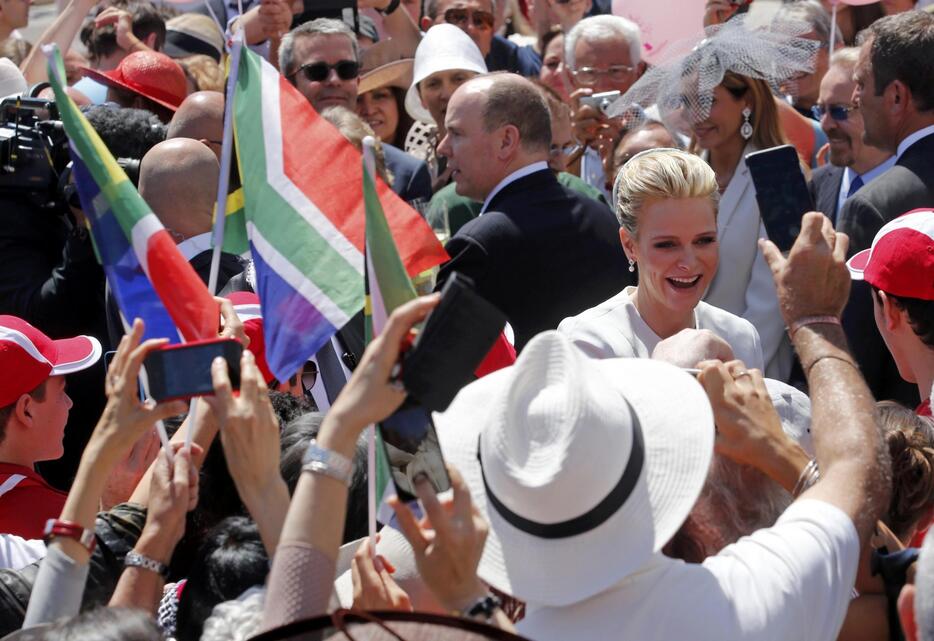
(70,530)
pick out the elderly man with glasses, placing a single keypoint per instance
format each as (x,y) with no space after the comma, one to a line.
(603,55)
(322,59)
(478,19)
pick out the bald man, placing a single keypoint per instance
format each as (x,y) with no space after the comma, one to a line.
(200,117)
(178,179)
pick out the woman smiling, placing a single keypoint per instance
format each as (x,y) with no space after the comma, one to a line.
(666,201)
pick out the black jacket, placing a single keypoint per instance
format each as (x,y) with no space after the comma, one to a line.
(541,253)
(906,186)
(410,177)
(825,189)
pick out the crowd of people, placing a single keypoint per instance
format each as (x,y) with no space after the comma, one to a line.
(694,434)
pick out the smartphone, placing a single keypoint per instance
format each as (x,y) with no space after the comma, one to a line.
(601,101)
(781,191)
(454,340)
(412,449)
(183,371)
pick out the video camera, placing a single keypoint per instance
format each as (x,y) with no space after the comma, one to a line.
(33,148)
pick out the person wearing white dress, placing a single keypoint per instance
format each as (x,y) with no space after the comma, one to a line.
(666,201)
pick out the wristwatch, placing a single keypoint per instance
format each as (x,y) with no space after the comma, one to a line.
(134,559)
(70,530)
(319,460)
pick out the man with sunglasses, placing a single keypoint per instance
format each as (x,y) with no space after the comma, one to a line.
(322,59)
(895,96)
(853,163)
(478,19)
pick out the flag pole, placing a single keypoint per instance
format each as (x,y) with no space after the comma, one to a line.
(833,26)
(223,180)
(369,163)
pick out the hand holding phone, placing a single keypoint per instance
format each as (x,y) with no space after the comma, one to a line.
(781,192)
(184,371)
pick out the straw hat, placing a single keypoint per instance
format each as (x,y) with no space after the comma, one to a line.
(583,468)
(193,33)
(444,47)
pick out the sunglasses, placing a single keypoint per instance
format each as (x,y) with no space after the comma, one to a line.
(309,376)
(837,112)
(589,75)
(319,71)
(460,17)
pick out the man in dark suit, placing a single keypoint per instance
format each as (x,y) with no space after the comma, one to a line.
(853,163)
(330,43)
(896,96)
(538,251)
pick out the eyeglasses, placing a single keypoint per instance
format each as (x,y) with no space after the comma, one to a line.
(837,112)
(460,17)
(319,71)
(589,75)
(309,376)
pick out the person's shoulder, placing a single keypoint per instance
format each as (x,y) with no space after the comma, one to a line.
(614,310)
(826,172)
(397,159)
(715,317)
(578,184)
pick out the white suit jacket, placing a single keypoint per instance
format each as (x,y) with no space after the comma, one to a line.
(743,284)
(615,329)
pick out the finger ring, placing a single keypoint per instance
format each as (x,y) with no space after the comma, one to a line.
(741,374)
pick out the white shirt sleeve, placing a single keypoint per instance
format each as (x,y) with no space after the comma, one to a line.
(793,580)
(16,553)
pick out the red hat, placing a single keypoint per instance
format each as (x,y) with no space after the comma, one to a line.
(246,304)
(28,357)
(901,259)
(150,74)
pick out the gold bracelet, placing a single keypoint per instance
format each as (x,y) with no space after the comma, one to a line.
(807,370)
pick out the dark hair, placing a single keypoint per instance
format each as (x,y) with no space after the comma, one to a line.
(920,315)
(288,407)
(128,133)
(513,100)
(102,624)
(910,439)
(405,120)
(37,394)
(547,37)
(231,560)
(901,50)
(295,438)
(147,20)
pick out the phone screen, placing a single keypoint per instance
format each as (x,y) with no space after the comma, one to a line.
(781,192)
(184,371)
(412,448)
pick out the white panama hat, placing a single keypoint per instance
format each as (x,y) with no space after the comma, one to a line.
(444,47)
(588,466)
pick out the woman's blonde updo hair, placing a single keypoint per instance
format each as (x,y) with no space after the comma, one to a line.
(662,174)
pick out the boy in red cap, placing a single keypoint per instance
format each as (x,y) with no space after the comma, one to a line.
(33,412)
(900,268)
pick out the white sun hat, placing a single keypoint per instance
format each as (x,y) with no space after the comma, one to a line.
(583,468)
(443,48)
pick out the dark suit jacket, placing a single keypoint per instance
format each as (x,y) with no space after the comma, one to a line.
(541,253)
(906,186)
(508,56)
(825,189)
(410,177)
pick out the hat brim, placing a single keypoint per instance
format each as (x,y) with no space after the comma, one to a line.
(858,263)
(75,354)
(678,438)
(415,108)
(104,79)
(393,74)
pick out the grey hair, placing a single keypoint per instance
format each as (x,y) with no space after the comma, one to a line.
(316,27)
(604,27)
(236,620)
(812,14)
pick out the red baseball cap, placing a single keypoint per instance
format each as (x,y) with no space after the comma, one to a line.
(28,357)
(246,304)
(150,74)
(901,259)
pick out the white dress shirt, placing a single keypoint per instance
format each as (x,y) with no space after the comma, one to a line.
(912,139)
(849,176)
(191,247)
(511,178)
